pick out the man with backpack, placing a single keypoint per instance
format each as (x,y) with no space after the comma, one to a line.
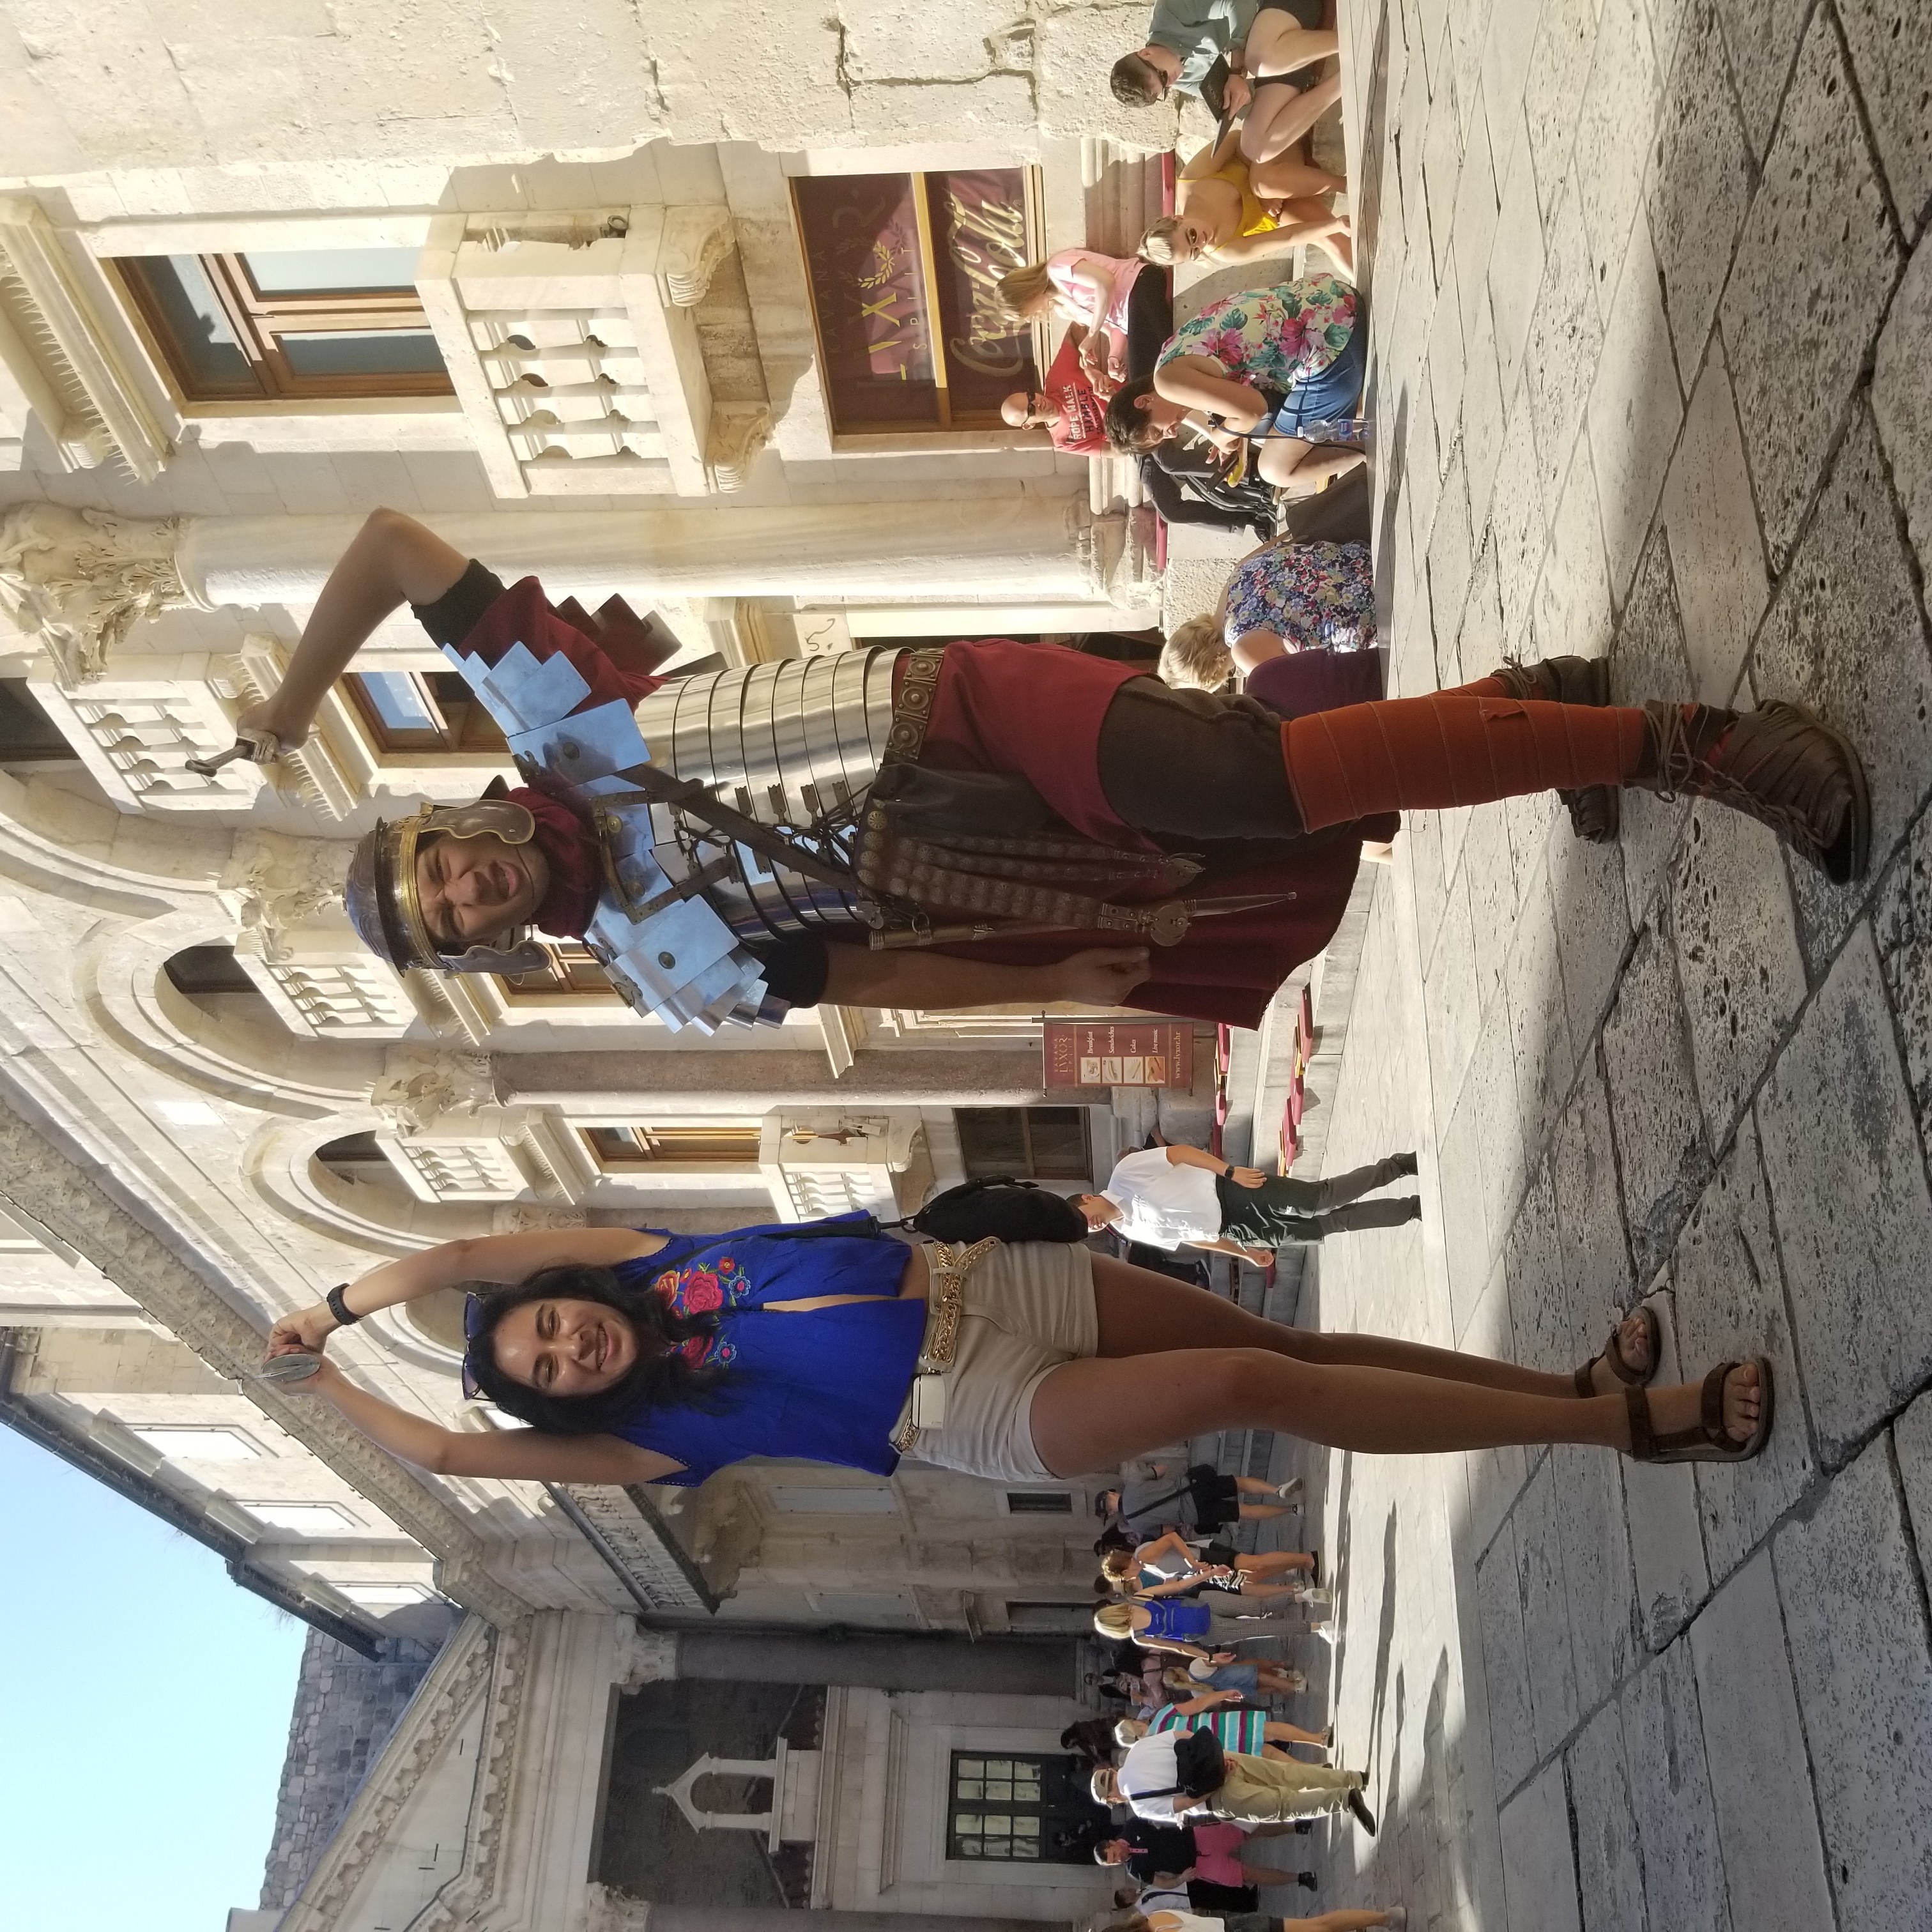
(1167,1775)
(1167,1196)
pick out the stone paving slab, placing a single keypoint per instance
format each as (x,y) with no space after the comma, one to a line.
(1651,311)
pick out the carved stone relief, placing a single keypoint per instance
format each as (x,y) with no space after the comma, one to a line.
(80,579)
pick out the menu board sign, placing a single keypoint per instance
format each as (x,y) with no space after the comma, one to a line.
(1118,1053)
(904,272)
(869,294)
(979,231)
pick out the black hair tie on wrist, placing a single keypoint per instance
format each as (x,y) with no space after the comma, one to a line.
(346,1316)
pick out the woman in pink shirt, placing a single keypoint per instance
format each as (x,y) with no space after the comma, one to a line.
(1122,308)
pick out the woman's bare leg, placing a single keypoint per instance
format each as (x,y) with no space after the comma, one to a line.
(392,559)
(1288,178)
(1277,1681)
(1144,1313)
(1272,1562)
(1278,1732)
(1092,1414)
(1281,117)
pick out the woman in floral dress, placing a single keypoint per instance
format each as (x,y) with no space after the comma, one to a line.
(1267,366)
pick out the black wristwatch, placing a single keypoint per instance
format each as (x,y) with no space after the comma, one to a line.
(1228,1172)
(346,1316)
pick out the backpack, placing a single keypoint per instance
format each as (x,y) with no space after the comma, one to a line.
(1200,1764)
(1009,1209)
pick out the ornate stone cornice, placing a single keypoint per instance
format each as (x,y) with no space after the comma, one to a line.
(55,1191)
(80,579)
(92,399)
(477,1661)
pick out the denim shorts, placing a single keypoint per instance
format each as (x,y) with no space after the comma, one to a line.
(1331,394)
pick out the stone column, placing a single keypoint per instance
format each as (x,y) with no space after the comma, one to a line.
(1043,549)
(706,1082)
(991,1667)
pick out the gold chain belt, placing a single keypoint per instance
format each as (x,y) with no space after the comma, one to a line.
(946,1270)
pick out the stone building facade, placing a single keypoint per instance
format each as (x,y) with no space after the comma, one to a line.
(610,358)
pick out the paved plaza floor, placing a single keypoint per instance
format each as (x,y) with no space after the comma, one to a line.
(1652,371)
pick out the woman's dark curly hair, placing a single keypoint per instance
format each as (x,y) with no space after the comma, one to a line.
(1128,428)
(660,1374)
(1113,1539)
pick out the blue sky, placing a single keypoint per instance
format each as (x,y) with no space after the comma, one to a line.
(144,1716)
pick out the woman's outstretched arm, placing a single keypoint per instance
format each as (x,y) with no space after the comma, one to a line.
(524,1454)
(393,560)
(496,1257)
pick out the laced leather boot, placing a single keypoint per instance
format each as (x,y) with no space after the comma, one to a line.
(1595,813)
(1777,764)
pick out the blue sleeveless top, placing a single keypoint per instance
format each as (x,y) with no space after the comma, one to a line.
(1179,1621)
(825,1385)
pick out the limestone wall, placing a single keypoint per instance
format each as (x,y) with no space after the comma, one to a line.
(216,83)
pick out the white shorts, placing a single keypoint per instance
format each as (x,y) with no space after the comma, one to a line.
(1027,1308)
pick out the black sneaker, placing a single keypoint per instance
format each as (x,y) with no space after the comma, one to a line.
(1358,1807)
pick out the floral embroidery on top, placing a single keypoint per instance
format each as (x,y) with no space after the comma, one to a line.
(714,1289)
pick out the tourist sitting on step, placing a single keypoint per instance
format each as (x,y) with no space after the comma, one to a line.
(639,1357)
(1066,405)
(1187,41)
(1120,303)
(1278,369)
(868,828)
(1228,210)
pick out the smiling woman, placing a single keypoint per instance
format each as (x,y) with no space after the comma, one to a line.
(640,1356)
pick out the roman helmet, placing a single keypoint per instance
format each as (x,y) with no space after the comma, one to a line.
(381,893)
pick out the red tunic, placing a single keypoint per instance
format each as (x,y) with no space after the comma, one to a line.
(1036,709)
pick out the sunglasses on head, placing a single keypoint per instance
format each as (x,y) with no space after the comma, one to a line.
(473,1326)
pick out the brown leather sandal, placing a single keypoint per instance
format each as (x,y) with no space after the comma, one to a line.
(1612,1359)
(1707,1441)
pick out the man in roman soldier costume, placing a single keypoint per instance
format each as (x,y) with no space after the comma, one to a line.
(954,826)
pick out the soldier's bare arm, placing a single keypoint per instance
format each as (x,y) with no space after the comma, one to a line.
(393,560)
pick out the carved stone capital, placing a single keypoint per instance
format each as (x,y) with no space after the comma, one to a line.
(697,236)
(79,581)
(649,1657)
(421,1085)
(1115,551)
(273,883)
(739,430)
(608,1911)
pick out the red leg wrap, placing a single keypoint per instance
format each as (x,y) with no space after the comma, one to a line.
(1426,753)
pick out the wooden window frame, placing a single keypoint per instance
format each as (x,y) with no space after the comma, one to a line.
(260,321)
(740,1156)
(1031,1167)
(461,739)
(571,973)
(976,423)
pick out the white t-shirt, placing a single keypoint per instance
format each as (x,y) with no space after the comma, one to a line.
(1149,1765)
(1161,1202)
